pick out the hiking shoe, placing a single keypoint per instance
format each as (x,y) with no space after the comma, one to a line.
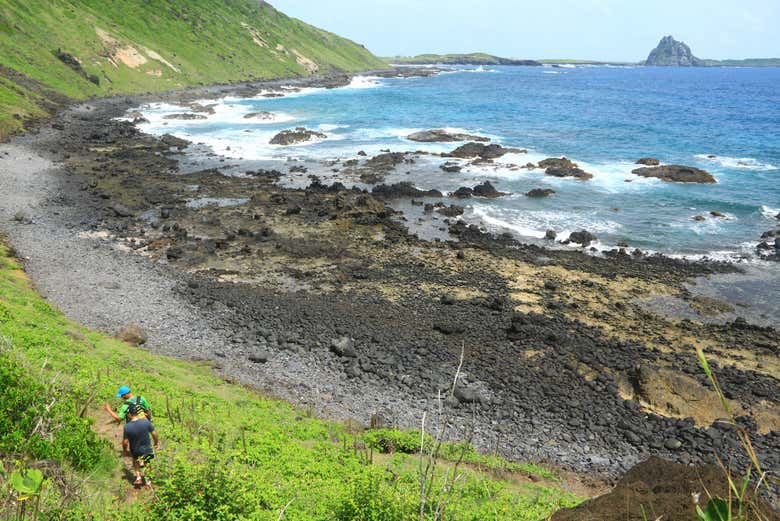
(138,481)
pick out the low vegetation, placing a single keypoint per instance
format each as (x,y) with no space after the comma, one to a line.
(83,48)
(228,453)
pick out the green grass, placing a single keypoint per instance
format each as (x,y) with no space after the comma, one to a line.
(476,58)
(228,452)
(206,41)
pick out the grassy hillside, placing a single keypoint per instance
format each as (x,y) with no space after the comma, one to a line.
(749,62)
(477,58)
(83,48)
(228,453)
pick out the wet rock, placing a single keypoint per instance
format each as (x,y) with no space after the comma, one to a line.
(132,334)
(263,116)
(494,151)
(699,218)
(299,169)
(463,192)
(451,167)
(173,141)
(676,174)
(648,161)
(185,116)
(540,192)
(299,135)
(582,237)
(402,189)
(453,210)
(550,235)
(362,153)
(443,136)
(486,189)
(715,213)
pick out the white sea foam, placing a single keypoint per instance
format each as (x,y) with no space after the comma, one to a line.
(536,223)
(364,82)
(741,163)
(770,213)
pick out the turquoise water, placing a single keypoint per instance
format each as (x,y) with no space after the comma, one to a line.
(604,118)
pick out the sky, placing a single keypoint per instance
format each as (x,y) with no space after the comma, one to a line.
(618,30)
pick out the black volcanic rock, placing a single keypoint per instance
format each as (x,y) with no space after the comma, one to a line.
(299,135)
(671,53)
(441,135)
(676,174)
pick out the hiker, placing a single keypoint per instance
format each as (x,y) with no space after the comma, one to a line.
(142,407)
(137,443)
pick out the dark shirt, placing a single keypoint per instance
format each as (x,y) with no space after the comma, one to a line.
(138,434)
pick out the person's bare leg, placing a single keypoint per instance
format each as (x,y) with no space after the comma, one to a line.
(137,471)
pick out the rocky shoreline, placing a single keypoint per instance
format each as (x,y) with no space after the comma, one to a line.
(321,296)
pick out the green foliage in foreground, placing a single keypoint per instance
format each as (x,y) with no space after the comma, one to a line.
(228,453)
(180,42)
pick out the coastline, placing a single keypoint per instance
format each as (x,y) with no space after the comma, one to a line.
(407,311)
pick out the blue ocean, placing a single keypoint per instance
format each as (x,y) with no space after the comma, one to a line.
(723,120)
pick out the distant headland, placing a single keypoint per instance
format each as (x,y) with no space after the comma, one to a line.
(668,53)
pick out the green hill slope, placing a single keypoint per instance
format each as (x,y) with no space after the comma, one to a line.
(83,48)
(476,58)
(229,454)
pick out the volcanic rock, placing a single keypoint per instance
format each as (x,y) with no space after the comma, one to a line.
(299,135)
(486,189)
(185,116)
(402,189)
(132,334)
(483,151)
(676,174)
(582,237)
(259,115)
(671,53)
(648,161)
(441,135)
(453,210)
(563,167)
(451,167)
(540,192)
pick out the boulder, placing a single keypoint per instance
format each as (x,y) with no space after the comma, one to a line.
(563,167)
(486,189)
(299,135)
(676,174)
(185,116)
(132,334)
(264,116)
(540,192)
(550,235)
(173,141)
(402,189)
(343,346)
(463,192)
(493,151)
(451,167)
(715,213)
(699,218)
(453,210)
(582,237)
(648,161)
(260,357)
(441,135)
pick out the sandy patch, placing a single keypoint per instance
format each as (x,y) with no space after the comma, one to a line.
(255,35)
(305,62)
(155,56)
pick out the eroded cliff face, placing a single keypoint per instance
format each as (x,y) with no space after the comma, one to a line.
(671,53)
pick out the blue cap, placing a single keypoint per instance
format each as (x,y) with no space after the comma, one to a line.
(122,391)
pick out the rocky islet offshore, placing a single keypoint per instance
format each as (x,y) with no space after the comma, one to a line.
(548,374)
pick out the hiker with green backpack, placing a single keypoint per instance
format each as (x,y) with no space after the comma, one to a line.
(129,401)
